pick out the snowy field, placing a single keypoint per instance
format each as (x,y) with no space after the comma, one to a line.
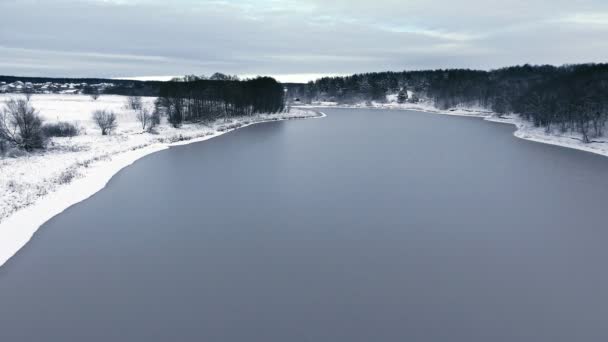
(525,129)
(35,187)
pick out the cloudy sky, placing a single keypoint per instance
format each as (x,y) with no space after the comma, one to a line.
(294,40)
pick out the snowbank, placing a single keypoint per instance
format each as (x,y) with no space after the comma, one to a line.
(38,186)
(525,129)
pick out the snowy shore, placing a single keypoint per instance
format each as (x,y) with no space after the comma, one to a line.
(525,129)
(36,187)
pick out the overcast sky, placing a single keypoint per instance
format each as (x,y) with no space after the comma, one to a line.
(293,39)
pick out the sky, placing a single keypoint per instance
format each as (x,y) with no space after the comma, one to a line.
(293,40)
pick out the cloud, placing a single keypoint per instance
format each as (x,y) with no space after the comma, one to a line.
(283,37)
(586,19)
(82,54)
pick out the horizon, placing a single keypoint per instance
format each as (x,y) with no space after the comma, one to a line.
(289,78)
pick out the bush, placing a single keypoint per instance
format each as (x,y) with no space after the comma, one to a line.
(21,125)
(105,120)
(60,129)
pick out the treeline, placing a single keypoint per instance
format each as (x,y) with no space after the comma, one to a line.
(196,100)
(569,98)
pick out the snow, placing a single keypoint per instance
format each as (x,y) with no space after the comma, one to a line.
(420,107)
(527,131)
(392,98)
(37,186)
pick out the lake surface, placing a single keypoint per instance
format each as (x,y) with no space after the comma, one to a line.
(367,225)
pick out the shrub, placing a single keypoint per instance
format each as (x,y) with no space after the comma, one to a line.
(66,176)
(21,125)
(105,120)
(60,129)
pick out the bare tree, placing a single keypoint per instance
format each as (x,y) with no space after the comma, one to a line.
(218,76)
(147,120)
(154,120)
(134,102)
(105,120)
(95,94)
(21,125)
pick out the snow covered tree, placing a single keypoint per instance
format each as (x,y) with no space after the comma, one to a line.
(21,125)
(402,96)
(105,120)
(144,117)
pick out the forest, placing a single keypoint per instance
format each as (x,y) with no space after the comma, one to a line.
(566,98)
(196,100)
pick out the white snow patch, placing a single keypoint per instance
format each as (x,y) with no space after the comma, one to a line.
(527,131)
(392,98)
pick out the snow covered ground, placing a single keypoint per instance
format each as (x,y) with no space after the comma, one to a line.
(525,129)
(35,187)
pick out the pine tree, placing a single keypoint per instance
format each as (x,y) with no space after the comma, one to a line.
(402,97)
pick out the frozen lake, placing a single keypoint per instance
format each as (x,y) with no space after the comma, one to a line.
(367,225)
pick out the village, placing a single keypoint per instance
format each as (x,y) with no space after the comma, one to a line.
(20,87)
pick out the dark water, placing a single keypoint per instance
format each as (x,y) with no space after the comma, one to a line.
(364,226)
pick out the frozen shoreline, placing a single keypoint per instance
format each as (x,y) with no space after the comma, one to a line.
(524,130)
(18,228)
